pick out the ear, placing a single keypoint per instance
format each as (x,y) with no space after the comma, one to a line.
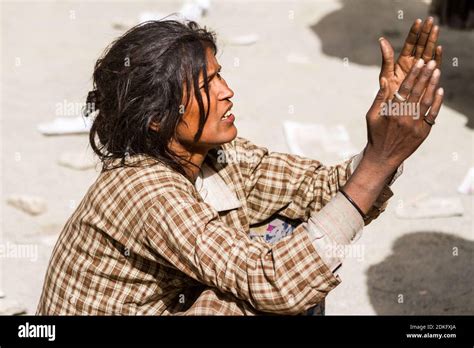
(155,126)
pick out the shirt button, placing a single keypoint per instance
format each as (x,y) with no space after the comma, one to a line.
(291,300)
(72,300)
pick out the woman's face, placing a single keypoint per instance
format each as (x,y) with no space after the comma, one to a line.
(218,129)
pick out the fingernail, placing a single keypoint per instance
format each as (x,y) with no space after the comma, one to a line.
(381,38)
(418,20)
(420,63)
(431,64)
(430,18)
(440,91)
(436,73)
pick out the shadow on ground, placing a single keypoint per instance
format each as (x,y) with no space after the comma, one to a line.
(352,33)
(426,271)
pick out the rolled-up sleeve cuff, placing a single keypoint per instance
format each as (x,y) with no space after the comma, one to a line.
(339,219)
(337,224)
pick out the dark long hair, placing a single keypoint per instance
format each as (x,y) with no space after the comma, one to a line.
(141,78)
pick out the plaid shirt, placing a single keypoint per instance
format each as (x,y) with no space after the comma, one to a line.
(143,240)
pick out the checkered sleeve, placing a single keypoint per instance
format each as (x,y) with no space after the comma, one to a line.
(285,184)
(294,186)
(287,277)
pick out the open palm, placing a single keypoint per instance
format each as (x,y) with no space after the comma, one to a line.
(420,43)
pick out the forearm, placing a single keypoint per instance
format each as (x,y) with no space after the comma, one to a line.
(339,223)
(368,180)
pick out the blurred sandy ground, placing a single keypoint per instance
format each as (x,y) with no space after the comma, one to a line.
(48,50)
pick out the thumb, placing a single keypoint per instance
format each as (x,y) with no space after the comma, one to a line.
(388,61)
(384,90)
(381,97)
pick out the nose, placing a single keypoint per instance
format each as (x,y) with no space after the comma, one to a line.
(226,92)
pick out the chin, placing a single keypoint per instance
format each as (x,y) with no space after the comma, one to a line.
(230,135)
(220,138)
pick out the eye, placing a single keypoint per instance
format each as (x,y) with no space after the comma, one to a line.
(218,75)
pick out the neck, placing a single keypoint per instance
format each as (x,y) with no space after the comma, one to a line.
(192,171)
(195,156)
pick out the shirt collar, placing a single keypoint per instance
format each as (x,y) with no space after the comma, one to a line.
(210,186)
(214,191)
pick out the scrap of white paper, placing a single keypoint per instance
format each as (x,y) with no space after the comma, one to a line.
(318,141)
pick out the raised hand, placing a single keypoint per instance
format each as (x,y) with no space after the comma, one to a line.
(420,43)
(397,127)
(402,114)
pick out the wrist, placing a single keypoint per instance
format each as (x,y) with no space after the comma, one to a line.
(378,165)
(366,183)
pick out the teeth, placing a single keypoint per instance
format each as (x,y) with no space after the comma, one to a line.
(226,115)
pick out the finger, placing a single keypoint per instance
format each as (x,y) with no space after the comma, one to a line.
(430,44)
(381,97)
(434,111)
(428,97)
(425,31)
(439,56)
(409,82)
(411,39)
(388,62)
(422,81)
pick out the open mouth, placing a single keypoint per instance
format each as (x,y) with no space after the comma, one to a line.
(227,114)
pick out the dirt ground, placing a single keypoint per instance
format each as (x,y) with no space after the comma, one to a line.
(420,266)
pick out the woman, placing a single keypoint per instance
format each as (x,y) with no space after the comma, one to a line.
(165,227)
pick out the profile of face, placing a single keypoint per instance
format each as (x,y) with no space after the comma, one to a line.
(219,127)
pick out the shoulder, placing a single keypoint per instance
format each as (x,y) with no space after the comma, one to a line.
(141,181)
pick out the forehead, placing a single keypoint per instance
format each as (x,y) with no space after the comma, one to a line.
(212,63)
